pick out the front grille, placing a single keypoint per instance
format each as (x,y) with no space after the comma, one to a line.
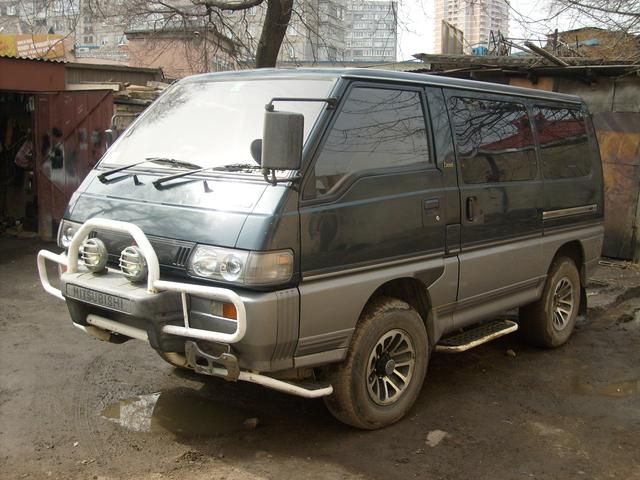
(182,255)
(172,254)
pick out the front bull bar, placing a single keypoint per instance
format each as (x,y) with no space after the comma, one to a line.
(154,284)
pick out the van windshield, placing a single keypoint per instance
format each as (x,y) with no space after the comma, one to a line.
(212,123)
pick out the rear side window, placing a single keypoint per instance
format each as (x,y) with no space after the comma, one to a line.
(494,140)
(564,145)
(376,128)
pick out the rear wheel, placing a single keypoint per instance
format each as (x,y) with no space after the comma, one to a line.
(550,321)
(385,367)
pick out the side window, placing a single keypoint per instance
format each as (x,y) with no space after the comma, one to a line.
(376,128)
(494,140)
(564,145)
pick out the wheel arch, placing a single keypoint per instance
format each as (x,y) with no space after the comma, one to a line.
(575,251)
(412,291)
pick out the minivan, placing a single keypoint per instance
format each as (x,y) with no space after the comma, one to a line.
(323,232)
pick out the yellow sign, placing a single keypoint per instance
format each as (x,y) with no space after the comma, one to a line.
(32,46)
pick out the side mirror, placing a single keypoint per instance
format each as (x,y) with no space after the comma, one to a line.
(282,140)
(256,150)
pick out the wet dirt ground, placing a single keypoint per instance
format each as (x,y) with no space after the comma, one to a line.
(74,407)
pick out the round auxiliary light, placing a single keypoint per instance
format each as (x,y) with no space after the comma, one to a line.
(93,255)
(133,264)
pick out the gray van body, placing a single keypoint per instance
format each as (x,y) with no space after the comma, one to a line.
(457,252)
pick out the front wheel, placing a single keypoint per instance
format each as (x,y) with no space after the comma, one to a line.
(549,321)
(385,367)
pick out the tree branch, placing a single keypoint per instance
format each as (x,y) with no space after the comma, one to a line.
(230,6)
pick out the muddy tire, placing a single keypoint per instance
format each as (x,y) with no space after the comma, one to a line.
(385,367)
(549,321)
(175,359)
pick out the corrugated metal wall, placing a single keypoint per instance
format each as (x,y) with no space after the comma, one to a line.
(615,105)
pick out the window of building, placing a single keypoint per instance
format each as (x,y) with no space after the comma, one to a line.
(564,145)
(494,140)
(376,128)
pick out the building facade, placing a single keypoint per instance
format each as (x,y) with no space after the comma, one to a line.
(180,52)
(320,31)
(336,31)
(476,19)
(372,31)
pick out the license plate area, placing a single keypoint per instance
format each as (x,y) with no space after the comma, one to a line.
(101,299)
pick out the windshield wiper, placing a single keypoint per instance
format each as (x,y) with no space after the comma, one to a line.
(233,167)
(172,162)
(105,175)
(237,167)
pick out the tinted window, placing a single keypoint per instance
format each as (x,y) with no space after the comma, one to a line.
(564,145)
(376,128)
(494,140)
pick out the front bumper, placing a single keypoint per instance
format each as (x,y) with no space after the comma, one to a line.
(154,284)
(166,313)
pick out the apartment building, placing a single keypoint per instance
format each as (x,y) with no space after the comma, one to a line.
(337,31)
(476,19)
(371,31)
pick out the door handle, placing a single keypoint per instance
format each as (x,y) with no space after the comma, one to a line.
(471,208)
(431,204)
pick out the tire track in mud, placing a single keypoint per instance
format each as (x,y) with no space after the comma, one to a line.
(632,293)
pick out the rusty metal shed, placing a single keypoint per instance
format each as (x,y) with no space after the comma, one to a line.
(19,74)
(611,90)
(50,139)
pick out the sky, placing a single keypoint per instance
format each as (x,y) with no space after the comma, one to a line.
(416,24)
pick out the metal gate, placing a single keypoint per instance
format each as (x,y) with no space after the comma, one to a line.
(68,141)
(619,139)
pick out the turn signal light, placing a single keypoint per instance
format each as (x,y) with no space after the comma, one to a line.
(229,311)
(226,310)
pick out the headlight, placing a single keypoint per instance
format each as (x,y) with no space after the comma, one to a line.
(237,266)
(66,231)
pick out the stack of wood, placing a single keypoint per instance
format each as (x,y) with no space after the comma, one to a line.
(142,93)
(125,92)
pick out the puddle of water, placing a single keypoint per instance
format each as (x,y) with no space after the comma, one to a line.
(615,390)
(182,413)
(622,389)
(134,413)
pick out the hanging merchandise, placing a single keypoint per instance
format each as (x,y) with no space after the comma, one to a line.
(24,157)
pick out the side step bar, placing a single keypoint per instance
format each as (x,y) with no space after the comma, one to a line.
(484,333)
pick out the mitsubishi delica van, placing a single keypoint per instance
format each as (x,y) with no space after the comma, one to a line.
(324,232)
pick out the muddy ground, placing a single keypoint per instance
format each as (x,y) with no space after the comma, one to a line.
(73,407)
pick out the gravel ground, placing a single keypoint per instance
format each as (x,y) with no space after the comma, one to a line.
(73,407)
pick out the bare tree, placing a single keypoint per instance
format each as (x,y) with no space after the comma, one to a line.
(224,17)
(620,15)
